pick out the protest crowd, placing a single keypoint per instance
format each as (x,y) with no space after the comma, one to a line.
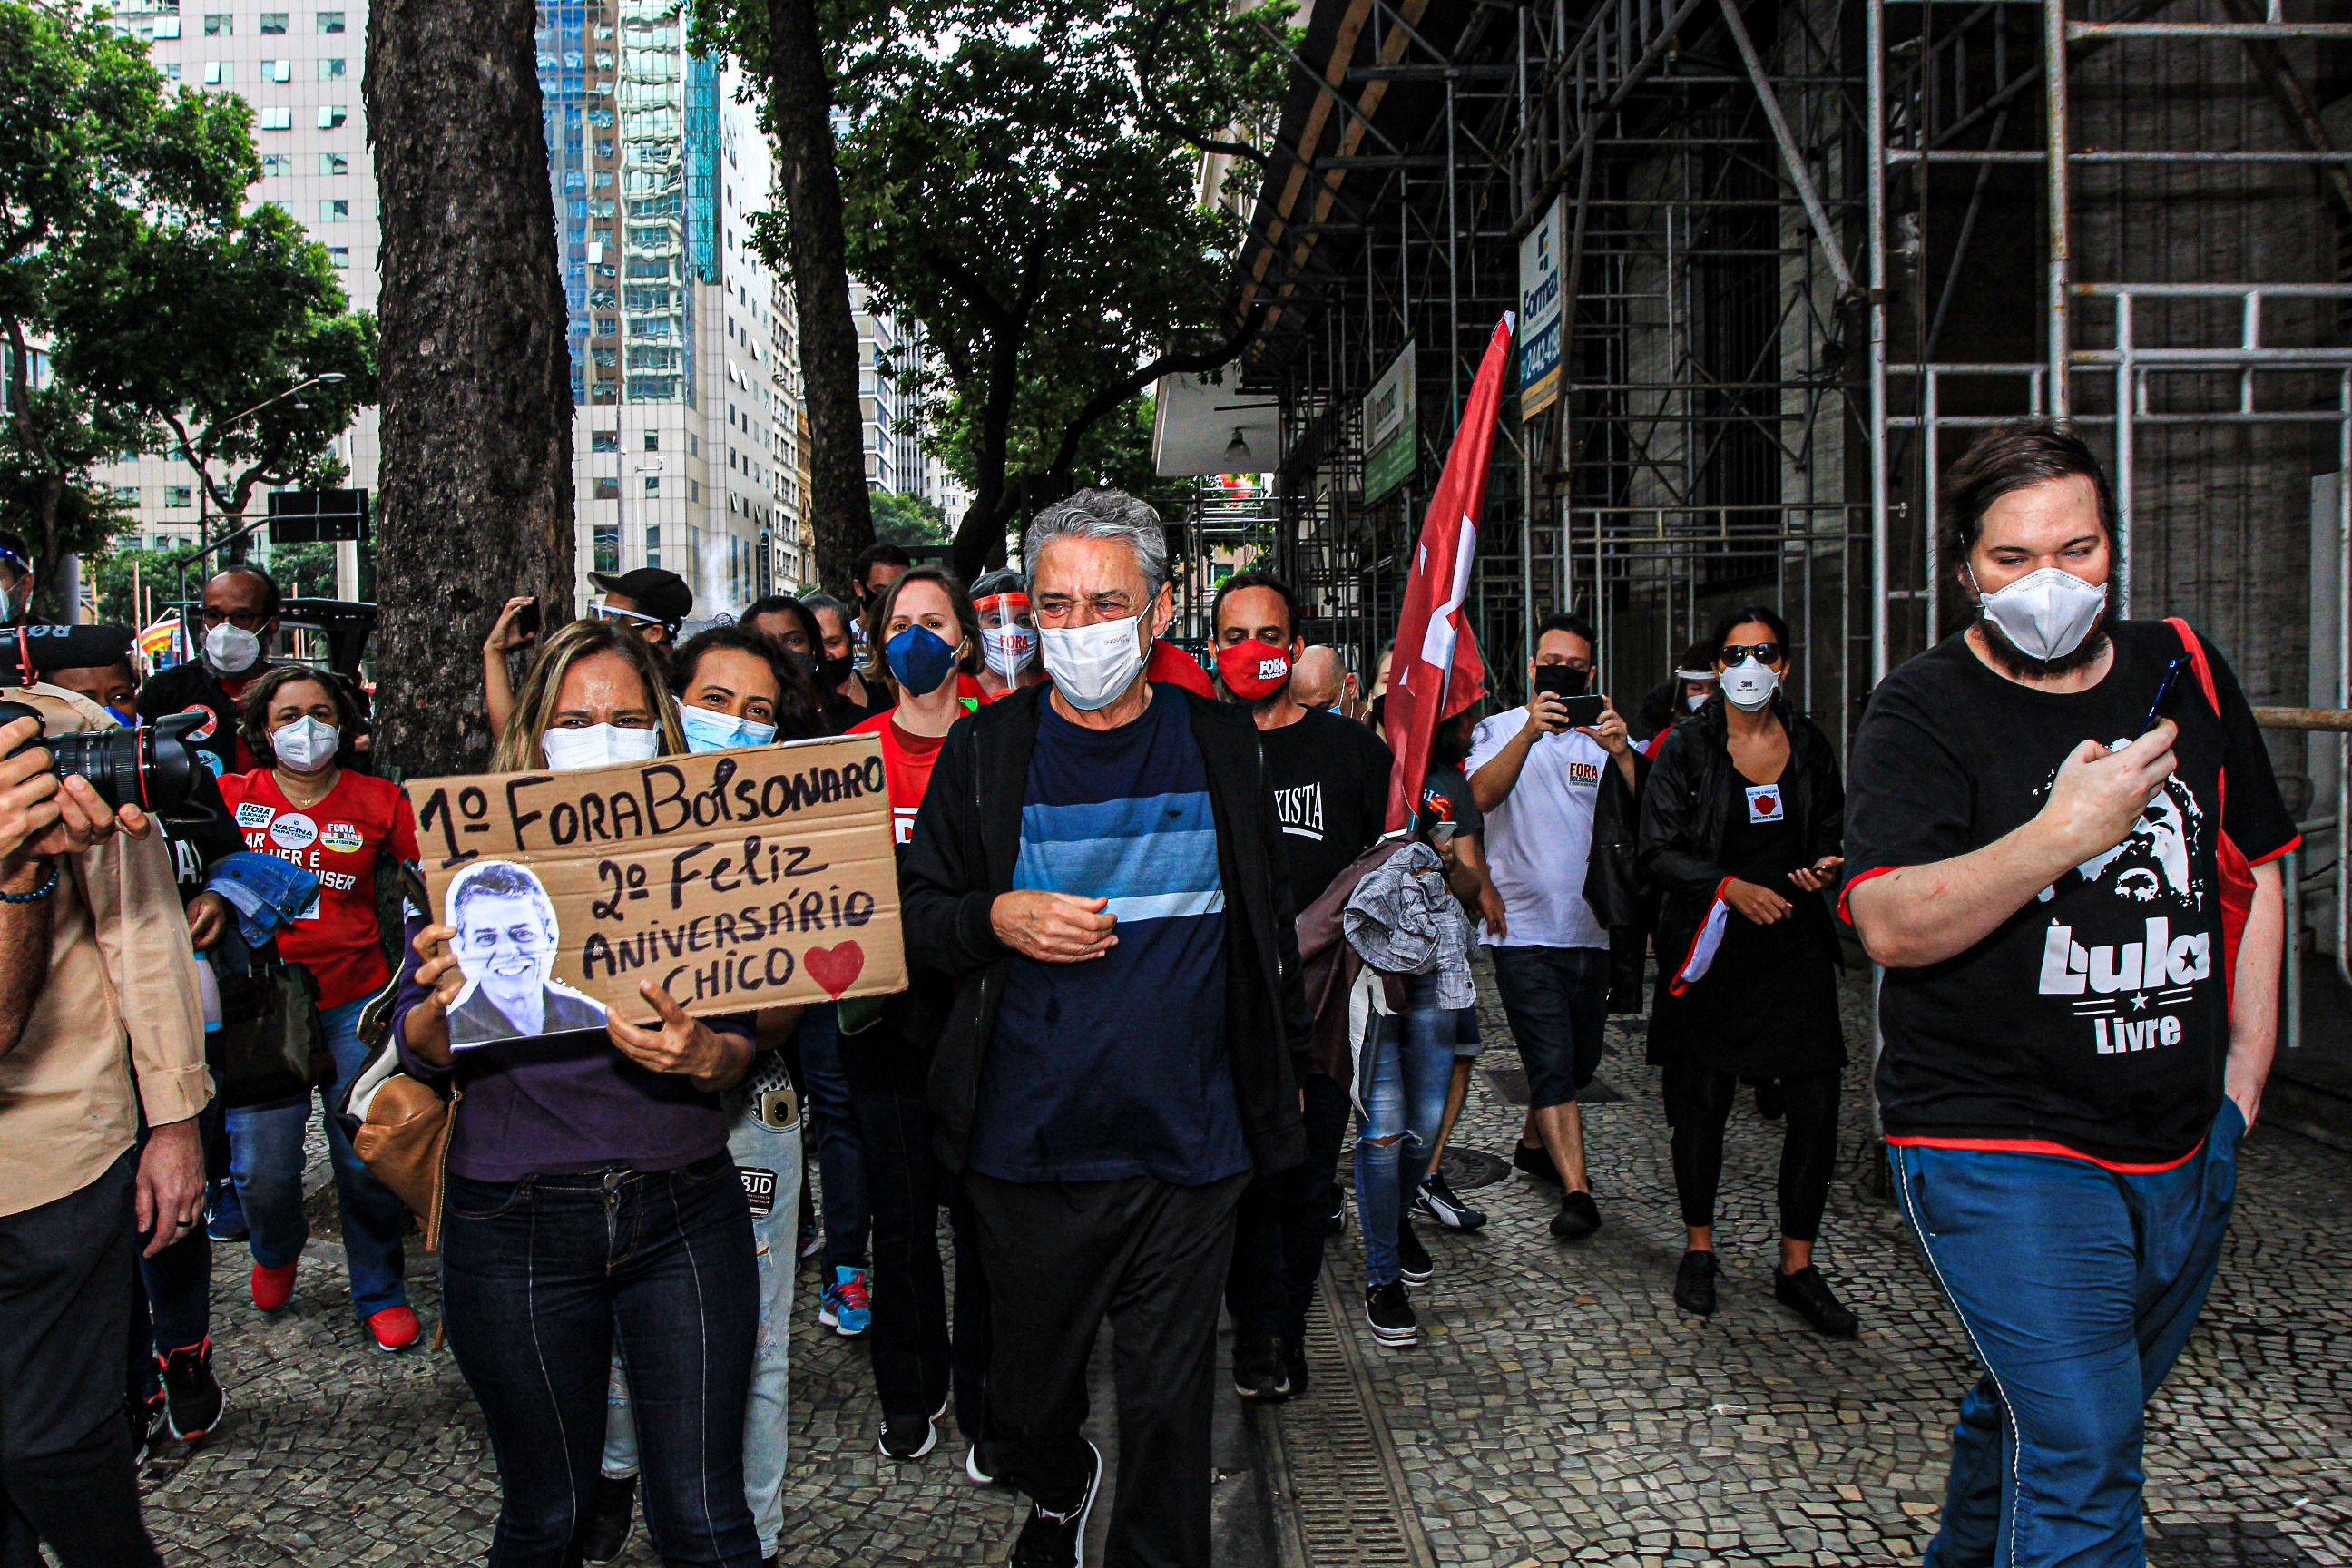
(1172,940)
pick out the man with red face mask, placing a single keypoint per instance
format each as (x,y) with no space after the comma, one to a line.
(1330,781)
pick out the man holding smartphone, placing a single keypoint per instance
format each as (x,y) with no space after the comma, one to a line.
(1537,773)
(2078,1012)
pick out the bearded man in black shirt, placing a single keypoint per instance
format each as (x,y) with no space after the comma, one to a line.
(1330,779)
(2073,885)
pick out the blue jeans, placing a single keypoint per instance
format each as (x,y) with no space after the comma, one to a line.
(2078,1286)
(265,1158)
(832,1124)
(770,1159)
(539,1280)
(1557,999)
(1403,1075)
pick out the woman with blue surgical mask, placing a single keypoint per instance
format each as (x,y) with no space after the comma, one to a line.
(735,688)
(925,632)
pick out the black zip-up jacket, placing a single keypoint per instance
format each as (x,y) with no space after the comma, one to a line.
(1686,808)
(967,838)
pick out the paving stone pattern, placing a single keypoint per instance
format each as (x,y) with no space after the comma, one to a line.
(1557,1408)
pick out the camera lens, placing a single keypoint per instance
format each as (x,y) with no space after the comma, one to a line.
(150,768)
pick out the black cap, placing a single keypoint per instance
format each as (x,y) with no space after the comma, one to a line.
(69,648)
(659,594)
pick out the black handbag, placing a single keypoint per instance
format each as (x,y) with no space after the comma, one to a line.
(270,1046)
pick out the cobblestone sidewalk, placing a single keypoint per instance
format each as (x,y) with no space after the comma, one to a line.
(1557,1409)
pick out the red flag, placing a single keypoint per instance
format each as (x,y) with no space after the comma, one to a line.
(1436,671)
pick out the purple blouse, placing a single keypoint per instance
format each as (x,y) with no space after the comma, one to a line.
(565,1103)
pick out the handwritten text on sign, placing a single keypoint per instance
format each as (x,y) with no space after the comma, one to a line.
(737,879)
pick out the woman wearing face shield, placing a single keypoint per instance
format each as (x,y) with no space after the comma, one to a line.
(592,1201)
(308,808)
(924,634)
(1741,830)
(1008,634)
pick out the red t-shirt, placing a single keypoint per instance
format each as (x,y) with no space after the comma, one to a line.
(340,839)
(907,764)
(1172,664)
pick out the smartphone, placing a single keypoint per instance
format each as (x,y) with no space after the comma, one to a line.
(2166,691)
(1586,712)
(1561,681)
(526,621)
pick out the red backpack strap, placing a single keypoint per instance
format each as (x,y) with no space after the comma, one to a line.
(2189,640)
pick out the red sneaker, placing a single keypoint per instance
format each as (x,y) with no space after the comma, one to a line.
(271,1287)
(394,1328)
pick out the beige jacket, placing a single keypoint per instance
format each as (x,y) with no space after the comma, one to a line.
(120,974)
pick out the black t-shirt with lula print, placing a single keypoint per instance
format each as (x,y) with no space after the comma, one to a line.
(2096,1018)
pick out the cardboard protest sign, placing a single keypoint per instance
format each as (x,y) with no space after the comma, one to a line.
(737,879)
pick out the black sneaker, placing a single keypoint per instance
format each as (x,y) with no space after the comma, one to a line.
(1413,1265)
(1436,1200)
(1388,1310)
(192,1400)
(1257,1368)
(909,1437)
(1536,1161)
(144,1418)
(1772,1100)
(980,1463)
(1695,1283)
(1293,1365)
(1057,1538)
(1809,1295)
(1577,1216)
(1337,1223)
(612,1519)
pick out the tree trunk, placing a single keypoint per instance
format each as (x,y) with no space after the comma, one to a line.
(799,102)
(475,501)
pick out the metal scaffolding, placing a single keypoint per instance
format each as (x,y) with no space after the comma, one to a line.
(1806,252)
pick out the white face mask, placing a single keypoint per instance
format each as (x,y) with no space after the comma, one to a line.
(1009,649)
(305,745)
(1093,666)
(1749,684)
(230,649)
(598,746)
(2047,613)
(1695,701)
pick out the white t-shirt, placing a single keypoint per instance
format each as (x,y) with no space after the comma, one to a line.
(1540,839)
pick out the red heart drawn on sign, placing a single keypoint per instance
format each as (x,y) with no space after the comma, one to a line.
(835,968)
(1768,803)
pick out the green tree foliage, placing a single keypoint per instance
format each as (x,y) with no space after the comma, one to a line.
(110,579)
(908,521)
(92,145)
(1022,179)
(200,329)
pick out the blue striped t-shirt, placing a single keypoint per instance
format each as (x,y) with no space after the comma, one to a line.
(1116,1066)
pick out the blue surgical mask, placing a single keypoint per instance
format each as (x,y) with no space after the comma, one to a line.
(709,732)
(128,720)
(920,661)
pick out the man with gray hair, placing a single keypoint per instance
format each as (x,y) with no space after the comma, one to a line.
(1098,863)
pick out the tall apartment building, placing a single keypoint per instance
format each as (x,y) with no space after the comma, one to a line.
(685,382)
(894,459)
(300,70)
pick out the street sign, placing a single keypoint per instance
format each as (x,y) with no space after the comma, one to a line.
(1392,428)
(308,517)
(1541,314)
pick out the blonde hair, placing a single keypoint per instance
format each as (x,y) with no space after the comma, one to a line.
(518,750)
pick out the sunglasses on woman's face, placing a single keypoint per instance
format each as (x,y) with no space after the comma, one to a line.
(1764,652)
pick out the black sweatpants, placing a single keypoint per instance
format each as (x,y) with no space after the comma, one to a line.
(1149,1256)
(66,1476)
(1282,1221)
(1698,1103)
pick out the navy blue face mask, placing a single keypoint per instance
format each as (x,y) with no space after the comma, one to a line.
(919,659)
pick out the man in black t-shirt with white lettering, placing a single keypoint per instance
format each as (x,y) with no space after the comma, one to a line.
(1330,779)
(2057,888)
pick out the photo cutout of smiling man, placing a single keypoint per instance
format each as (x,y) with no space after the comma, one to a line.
(506,942)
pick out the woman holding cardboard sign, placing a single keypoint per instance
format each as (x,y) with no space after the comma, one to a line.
(590,1197)
(925,633)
